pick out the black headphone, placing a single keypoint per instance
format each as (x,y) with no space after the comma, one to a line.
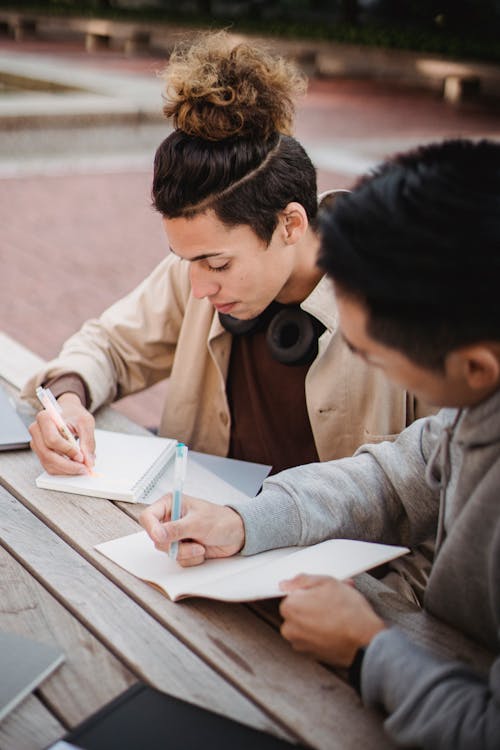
(292,333)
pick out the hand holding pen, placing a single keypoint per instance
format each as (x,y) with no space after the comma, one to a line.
(53,440)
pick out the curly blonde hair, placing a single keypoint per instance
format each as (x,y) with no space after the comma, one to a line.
(216,89)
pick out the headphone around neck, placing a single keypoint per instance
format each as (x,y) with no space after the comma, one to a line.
(292,334)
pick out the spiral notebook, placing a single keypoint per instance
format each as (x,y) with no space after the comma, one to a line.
(139,469)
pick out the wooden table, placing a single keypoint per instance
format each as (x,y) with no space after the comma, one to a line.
(115,629)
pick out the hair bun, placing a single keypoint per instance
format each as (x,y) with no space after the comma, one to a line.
(216,89)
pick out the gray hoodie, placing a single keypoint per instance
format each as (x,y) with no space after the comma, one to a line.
(442,473)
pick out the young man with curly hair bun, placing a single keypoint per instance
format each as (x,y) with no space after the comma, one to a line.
(239,317)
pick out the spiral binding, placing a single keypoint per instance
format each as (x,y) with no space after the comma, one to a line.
(146,484)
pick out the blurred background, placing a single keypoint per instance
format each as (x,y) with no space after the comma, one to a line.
(80,120)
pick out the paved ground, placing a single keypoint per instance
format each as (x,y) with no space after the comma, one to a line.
(77,229)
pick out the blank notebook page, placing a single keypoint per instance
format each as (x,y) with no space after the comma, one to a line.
(123,463)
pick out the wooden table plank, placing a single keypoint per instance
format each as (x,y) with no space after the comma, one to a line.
(30,727)
(148,650)
(234,643)
(90,675)
(17,363)
(243,648)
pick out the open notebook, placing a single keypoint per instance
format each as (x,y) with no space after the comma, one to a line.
(139,468)
(241,578)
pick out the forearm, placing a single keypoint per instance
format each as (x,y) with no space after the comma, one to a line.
(378,495)
(431,703)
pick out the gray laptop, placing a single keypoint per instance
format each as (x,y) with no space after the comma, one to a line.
(13,432)
(24,664)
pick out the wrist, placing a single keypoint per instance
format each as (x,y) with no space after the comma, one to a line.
(69,383)
(237,530)
(355,668)
(69,397)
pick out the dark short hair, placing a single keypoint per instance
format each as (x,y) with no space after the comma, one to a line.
(417,242)
(243,180)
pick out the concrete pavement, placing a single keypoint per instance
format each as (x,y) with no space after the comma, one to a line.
(77,228)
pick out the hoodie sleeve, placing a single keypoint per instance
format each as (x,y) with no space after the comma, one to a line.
(380,494)
(432,703)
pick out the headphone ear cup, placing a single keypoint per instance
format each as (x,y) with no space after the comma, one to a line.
(238,327)
(292,338)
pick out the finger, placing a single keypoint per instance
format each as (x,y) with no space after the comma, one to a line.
(302,581)
(293,635)
(53,462)
(189,527)
(152,520)
(85,428)
(53,439)
(190,554)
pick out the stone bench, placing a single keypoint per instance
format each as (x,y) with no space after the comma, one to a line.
(99,33)
(456,80)
(18,25)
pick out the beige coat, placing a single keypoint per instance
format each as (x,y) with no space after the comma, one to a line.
(161,331)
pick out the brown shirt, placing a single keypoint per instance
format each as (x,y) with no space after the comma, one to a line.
(269,419)
(161,331)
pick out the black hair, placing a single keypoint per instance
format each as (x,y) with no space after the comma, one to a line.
(243,181)
(417,242)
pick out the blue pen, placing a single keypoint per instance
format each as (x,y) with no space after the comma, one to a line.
(181,453)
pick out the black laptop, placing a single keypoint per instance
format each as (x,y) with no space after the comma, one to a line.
(143,718)
(13,432)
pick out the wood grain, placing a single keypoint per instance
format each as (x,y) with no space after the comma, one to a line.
(148,650)
(240,646)
(235,642)
(90,674)
(30,727)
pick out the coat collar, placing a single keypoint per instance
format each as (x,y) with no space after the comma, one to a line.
(321,304)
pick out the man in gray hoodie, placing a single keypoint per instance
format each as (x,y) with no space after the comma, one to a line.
(414,253)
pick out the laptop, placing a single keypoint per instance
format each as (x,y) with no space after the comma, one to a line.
(24,664)
(13,432)
(143,717)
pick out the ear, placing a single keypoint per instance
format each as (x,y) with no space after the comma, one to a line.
(294,223)
(480,365)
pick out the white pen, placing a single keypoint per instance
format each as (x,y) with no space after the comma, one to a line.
(180,466)
(47,400)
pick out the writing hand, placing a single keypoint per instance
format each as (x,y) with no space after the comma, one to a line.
(327,619)
(57,455)
(204,531)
